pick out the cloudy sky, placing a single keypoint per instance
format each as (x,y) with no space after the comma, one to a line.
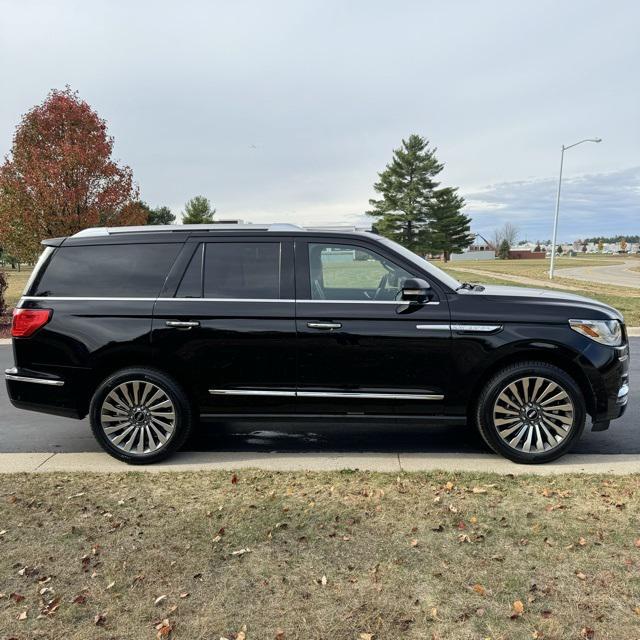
(286,111)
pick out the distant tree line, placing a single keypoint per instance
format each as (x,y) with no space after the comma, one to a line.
(614,239)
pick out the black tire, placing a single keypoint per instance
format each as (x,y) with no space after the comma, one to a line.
(487,403)
(179,404)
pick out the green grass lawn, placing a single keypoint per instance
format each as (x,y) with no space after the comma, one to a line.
(319,556)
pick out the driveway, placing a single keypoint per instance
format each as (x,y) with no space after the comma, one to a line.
(619,275)
(24,431)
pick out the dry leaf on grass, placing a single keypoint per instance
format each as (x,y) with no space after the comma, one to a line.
(517,609)
(159,600)
(479,589)
(164,629)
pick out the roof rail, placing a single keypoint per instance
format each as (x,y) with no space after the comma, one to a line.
(159,228)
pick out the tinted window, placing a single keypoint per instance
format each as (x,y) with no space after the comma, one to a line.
(242,270)
(191,283)
(349,272)
(108,270)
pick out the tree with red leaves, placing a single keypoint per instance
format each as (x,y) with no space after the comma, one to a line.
(60,177)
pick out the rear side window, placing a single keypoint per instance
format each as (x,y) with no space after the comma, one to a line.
(108,270)
(242,270)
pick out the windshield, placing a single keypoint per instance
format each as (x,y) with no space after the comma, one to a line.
(431,269)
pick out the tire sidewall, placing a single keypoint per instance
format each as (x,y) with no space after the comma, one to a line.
(499,382)
(175,393)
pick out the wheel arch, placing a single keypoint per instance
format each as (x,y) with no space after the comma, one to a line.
(549,354)
(128,358)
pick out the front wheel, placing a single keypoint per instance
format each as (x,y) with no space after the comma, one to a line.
(140,415)
(531,412)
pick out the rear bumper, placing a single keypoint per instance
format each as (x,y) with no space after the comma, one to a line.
(43,392)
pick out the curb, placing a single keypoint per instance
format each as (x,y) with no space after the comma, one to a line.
(5,341)
(380,462)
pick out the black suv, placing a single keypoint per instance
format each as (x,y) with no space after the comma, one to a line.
(149,329)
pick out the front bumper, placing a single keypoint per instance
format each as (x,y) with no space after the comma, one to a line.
(613,389)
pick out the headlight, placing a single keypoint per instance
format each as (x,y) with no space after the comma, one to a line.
(607,332)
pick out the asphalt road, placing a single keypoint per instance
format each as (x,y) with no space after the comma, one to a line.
(24,431)
(620,275)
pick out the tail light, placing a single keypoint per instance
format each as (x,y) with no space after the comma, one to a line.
(27,321)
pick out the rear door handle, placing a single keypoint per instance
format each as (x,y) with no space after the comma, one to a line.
(182,324)
(326,326)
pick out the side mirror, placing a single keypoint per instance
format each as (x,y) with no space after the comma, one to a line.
(415,290)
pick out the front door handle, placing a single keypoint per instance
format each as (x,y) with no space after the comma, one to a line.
(182,324)
(326,326)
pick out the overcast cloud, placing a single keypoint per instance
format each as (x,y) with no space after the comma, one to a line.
(286,110)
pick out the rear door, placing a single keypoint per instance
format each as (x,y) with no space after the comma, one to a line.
(225,323)
(361,350)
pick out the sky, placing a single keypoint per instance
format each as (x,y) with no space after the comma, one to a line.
(286,111)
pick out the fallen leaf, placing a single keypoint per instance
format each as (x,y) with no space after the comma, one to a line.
(587,633)
(17,597)
(23,615)
(365,636)
(517,609)
(111,585)
(240,552)
(323,581)
(414,542)
(479,589)
(580,575)
(582,542)
(79,599)
(164,629)
(279,634)
(478,490)
(99,619)
(637,543)
(159,600)
(3,532)
(185,594)
(234,479)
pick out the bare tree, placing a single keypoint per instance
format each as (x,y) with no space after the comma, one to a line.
(508,232)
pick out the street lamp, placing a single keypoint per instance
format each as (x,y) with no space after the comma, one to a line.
(555,220)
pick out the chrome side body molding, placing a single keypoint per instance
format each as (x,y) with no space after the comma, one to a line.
(326,394)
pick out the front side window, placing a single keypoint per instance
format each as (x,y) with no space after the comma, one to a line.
(107,270)
(349,272)
(242,270)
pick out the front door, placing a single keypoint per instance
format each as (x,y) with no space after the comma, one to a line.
(360,349)
(225,324)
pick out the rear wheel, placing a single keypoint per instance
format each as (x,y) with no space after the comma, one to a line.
(531,412)
(140,415)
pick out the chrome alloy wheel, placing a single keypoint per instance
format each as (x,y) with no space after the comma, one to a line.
(138,417)
(533,414)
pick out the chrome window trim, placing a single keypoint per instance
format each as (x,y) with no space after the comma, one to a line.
(288,300)
(327,394)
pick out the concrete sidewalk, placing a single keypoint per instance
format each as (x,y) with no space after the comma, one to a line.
(389,462)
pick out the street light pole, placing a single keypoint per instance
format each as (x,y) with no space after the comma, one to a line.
(555,219)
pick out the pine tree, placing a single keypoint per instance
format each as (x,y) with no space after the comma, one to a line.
(448,229)
(161,215)
(198,211)
(503,250)
(407,188)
